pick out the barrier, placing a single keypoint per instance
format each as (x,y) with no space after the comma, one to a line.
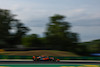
(78,58)
(61,58)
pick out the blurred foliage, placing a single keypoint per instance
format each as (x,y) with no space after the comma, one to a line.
(8,23)
(32,40)
(58,34)
(92,46)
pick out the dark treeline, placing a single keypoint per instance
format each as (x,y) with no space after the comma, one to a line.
(90,47)
(57,36)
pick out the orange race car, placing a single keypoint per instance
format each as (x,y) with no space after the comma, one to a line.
(44,58)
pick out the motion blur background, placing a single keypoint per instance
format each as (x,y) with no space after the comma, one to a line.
(72,26)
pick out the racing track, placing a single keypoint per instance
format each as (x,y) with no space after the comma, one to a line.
(49,62)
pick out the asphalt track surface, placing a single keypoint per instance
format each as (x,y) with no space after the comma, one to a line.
(46,62)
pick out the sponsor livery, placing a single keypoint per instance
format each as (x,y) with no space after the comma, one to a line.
(44,58)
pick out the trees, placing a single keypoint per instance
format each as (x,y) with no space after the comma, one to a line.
(92,46)
(8,23)
(88,48)
(58,35)
(32,40)
(5,19)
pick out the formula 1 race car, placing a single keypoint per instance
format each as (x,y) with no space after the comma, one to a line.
(44,58)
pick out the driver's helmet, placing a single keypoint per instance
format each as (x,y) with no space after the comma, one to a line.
(33,57)
(42,56)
